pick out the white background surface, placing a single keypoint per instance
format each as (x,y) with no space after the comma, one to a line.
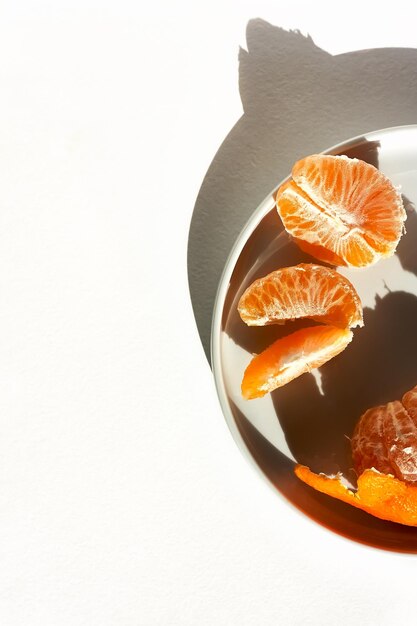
(123,499)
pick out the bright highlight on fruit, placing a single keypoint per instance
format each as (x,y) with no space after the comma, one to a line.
(342,211)
(292,356)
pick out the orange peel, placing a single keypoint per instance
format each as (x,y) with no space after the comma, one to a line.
(380,495)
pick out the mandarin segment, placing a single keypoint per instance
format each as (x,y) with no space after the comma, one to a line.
(303,291)
(385,438)
(400,433)
(409,401)
(381,495)
(291,356)
(346,206)
(368,443)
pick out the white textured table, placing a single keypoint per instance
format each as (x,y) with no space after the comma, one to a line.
(123,499)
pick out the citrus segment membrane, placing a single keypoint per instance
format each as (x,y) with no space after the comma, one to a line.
(303,291)
(385,438)
(346,206)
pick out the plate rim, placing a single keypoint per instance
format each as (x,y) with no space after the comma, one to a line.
(215,338)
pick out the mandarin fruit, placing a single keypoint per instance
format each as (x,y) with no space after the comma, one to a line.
(385,438)
(304,291)
(345,210)
(368,443)
(292,356)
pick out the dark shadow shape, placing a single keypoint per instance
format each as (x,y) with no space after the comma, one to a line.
(297,100)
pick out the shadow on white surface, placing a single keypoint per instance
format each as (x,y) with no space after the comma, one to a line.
(297,99)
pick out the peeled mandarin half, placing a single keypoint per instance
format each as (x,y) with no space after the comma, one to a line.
(303,291)
(343,210)
(368,442)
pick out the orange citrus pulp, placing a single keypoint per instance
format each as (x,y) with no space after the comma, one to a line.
(303,291)
(292,356)
(385,438)
(342,211)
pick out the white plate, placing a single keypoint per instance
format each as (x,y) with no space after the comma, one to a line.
(310,419)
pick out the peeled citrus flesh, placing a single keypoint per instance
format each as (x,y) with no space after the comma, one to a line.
(385,438)
(343,207)
(379,494)
(368,443)
(303,291)
(292,356)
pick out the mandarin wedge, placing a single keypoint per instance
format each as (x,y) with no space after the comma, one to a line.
(292,356)
(379,494)
(345,210)
(368,443)
(385,438)
(303,291)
